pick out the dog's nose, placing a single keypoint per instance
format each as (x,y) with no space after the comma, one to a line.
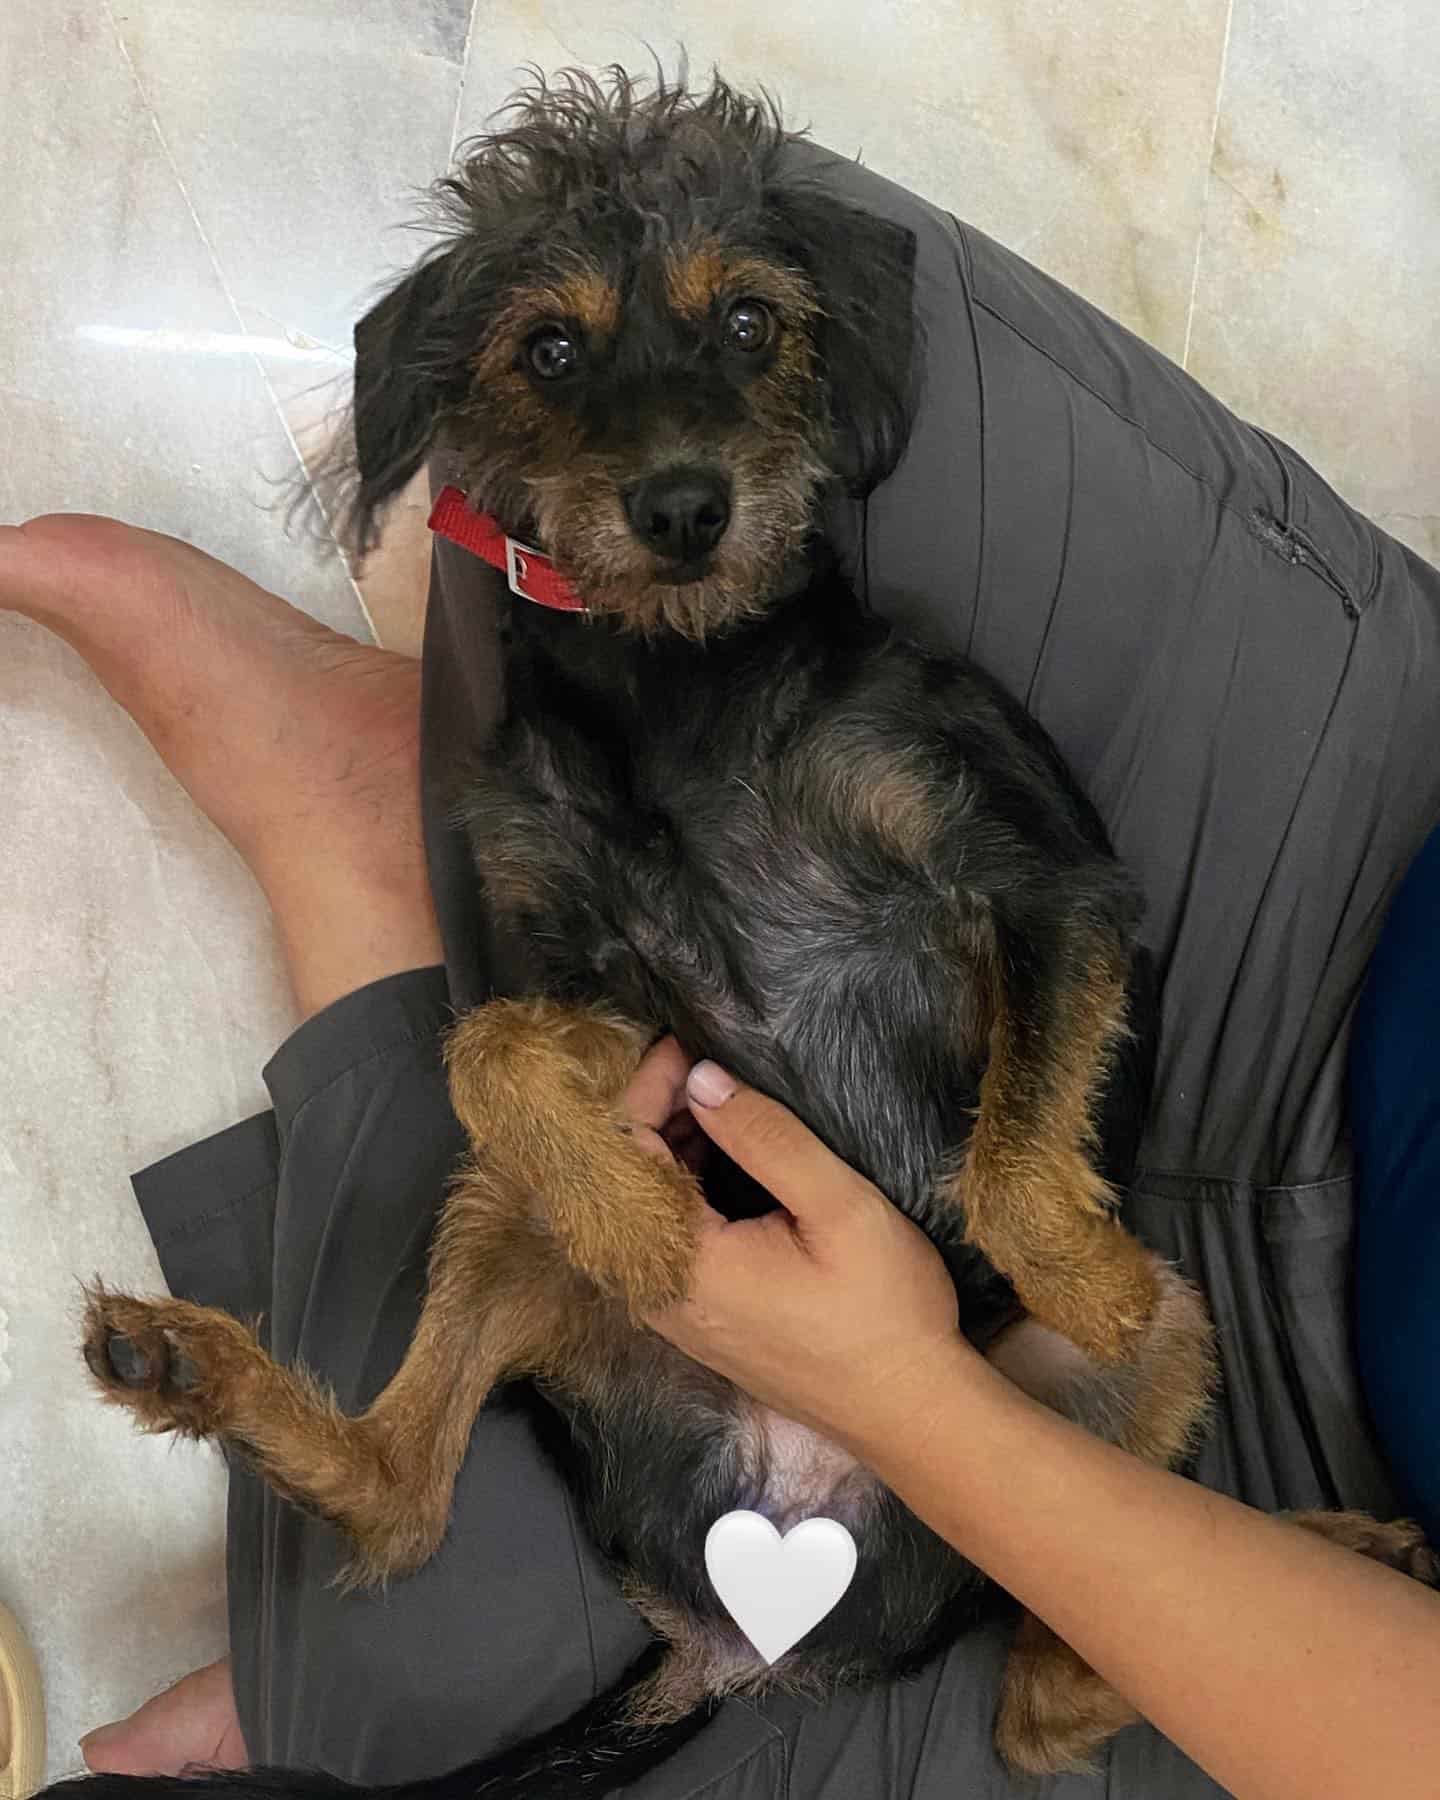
(680,514)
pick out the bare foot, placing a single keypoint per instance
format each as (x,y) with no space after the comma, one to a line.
(262,712)
(301,745)
(193,1722)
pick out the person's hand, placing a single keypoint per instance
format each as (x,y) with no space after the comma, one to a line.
(834,1310)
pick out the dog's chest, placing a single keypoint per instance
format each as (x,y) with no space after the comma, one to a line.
(722,850)
(680,876)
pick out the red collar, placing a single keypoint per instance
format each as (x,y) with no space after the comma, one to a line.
(530,572)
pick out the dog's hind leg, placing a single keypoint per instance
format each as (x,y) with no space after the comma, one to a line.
(1055,1711)
(1398,1543)
(557,1214)
(501,1301)
(1028,1191)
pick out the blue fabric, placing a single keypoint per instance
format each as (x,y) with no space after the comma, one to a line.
(1395,1112)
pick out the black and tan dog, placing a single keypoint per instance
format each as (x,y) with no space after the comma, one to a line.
(728,803)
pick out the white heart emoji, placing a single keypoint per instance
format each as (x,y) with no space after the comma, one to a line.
(776,1589)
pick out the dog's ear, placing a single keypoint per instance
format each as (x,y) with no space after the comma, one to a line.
(863,270)
(402,389)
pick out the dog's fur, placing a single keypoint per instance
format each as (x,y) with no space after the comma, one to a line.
(729,804)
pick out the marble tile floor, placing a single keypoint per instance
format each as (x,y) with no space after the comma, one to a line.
(198,199)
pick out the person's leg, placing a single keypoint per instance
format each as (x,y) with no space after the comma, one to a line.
(1395,1116)
(301,745)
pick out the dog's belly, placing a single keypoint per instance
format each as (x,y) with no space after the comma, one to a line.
(668,1448)
(805,1475)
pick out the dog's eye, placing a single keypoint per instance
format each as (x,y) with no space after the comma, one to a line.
(749,326)
(553,353)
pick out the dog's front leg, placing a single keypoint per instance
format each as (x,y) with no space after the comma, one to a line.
(1028,1192)
(538,1087)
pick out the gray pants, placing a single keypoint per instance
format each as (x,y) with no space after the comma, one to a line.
(1242,673)
(318,1215)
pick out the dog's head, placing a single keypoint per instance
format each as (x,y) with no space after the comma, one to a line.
(650,340)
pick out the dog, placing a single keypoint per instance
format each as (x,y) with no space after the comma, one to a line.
(727,802)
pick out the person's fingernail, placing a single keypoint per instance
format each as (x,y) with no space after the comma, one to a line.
(709,1085)
(98,1738)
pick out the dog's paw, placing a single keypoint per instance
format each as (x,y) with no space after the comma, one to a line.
(1105,1305)
(1398,1543)
(166,1361)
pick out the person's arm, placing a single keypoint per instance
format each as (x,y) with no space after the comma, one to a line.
(1284,1666)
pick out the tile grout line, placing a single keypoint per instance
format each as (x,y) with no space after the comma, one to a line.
(460,90)
(234,307)
(1205,192)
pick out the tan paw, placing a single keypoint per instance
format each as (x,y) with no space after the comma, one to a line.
(173,1365)
(1399,1543)
(1104,1303)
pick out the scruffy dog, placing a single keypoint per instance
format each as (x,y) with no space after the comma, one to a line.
(725,802)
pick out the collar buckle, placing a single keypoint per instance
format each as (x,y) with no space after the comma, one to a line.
(518,559)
